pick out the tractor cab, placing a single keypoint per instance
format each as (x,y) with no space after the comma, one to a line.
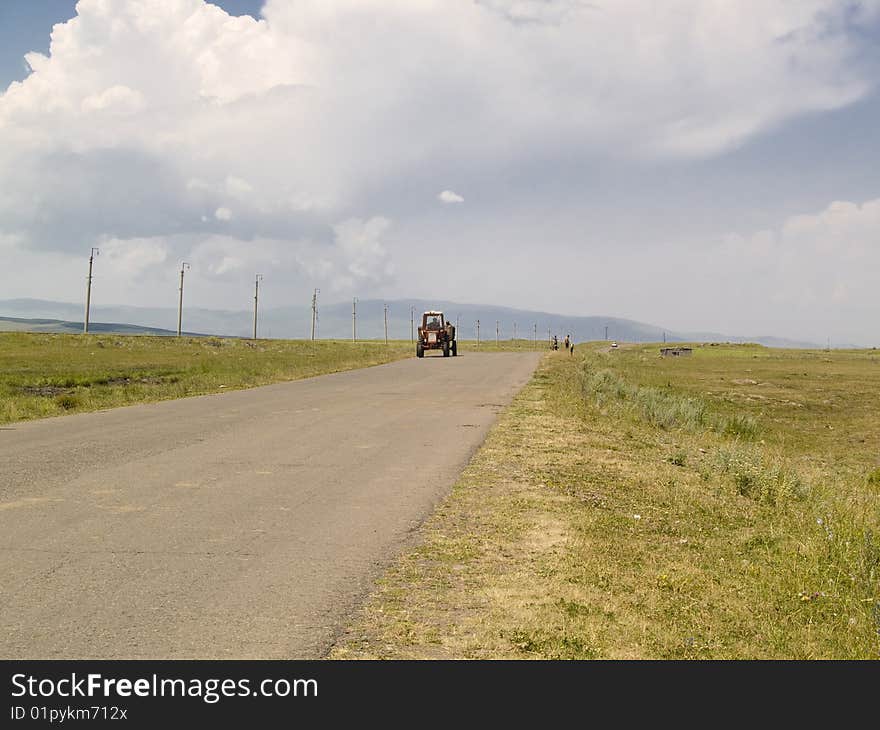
(433,321)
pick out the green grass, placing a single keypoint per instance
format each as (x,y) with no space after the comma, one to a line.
(517,345)
(53,374)
(725,505)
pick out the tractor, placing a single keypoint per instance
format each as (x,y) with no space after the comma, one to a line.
(435,333)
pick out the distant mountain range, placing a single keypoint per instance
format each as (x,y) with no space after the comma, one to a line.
(18,324)
(335,322)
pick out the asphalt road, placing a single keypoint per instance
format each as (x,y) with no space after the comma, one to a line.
(249,524)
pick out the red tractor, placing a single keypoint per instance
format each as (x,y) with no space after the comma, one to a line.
(435,333)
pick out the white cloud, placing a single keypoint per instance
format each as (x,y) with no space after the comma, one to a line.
(303,112)
(132,257)
(449,197)
(118,99)
(360,243)
(180,123)
(812,276)
(238,188)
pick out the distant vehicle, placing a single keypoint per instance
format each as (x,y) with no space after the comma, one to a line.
(613,345)
(435,333)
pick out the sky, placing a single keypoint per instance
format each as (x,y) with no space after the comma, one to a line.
(699,165)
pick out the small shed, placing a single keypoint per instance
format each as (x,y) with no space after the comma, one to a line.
(676,351)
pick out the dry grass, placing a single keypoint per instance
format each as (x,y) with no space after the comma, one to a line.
(587,527)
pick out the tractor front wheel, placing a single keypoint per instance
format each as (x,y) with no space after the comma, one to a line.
(455,348)
(446,349)
(420,350)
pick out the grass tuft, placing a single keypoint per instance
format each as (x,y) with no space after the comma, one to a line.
(67,402)
(758,477)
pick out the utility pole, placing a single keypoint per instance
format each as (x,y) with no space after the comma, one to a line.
(478,333)
(257,280)
(514,331)
(386,324)
(314,311)
(606,331)
(94,252)
(536,335)
(664,338)
(549,337)
(497,331)
(183,267)
(412,324)
(354,333)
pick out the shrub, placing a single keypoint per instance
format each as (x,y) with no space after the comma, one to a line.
(741,426)
(662,408)
(758,478)
(67,401)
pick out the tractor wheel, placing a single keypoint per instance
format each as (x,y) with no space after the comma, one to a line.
(446,349)
(420,350)
(455,348)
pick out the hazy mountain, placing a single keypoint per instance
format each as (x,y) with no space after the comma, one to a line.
(335,322)
(17,324)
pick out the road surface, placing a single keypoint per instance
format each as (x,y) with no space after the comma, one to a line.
(249,524)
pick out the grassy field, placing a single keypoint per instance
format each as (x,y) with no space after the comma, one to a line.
(725,505)
(53,374)
(517,345)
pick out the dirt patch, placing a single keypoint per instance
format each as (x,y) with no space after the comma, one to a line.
(150,380)
(545,535)
(45,391)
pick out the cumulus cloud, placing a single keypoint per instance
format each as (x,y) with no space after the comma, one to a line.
(360,243)
(816,260)
(172,121)
(450,197)
(812,276)
(302,112)
(116,99)
(131,257)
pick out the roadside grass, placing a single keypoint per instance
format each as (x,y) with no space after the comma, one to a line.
(52,374)
(612,513)
(470,346)
(510,345)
